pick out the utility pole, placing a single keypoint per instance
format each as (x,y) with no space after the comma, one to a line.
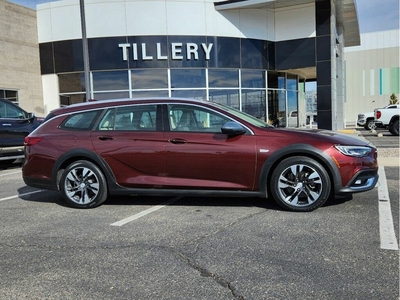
(85,50)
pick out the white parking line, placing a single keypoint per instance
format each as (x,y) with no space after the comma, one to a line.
(20,195)
(386,228)
(144,213)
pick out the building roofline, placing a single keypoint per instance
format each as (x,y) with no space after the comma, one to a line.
(346,13)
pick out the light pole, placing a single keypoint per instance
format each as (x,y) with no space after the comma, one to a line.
(85,50)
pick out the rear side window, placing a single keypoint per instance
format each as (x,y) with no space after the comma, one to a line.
(130,118)
(80,121)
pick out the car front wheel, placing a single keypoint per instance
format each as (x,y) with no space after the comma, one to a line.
(300,184)
(370,124)
(83,185)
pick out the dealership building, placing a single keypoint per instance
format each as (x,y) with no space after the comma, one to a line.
(252,55)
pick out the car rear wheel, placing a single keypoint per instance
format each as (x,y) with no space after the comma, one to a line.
(394,128)
(300,184)
(83,185)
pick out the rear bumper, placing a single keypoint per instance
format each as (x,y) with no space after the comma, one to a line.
(39,183)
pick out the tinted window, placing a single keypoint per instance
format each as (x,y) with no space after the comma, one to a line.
(193,118)
(188,78)
(223,78)
(106,81)
(253,79)
(10,111)
(149,79)
(80,121)
(74,82)
(130,118)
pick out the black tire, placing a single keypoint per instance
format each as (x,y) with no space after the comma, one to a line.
(394,128)
(6,162)
(300,184)
(370,124)
(83,185)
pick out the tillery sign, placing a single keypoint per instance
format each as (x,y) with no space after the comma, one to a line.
(192,51)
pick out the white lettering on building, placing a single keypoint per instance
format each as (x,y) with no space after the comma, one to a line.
(192,51)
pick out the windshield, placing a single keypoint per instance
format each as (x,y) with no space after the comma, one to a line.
(244,116)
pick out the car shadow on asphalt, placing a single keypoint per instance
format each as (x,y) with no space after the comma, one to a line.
(44,196)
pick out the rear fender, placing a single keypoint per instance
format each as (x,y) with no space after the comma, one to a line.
(82,154)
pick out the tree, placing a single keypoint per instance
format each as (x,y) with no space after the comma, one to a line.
(393,99)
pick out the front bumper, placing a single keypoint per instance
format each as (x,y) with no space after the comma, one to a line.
(16,152)
(362,181)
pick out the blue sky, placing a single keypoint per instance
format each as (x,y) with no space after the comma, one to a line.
(373,15)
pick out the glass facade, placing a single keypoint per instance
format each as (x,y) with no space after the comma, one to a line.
(231,71)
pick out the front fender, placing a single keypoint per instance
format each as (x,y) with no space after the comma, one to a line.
(298,150)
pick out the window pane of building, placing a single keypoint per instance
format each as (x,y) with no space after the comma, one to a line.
(111,95)
(253,79)
(223,78)
(291,82)
(194,94)
(71,99)
(276,80)
(108,81)
(70,83)
(149,94)
(225,97)
(149,79)
(188,78)
(253,103)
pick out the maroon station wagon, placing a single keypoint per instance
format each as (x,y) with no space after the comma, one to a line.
(172,146)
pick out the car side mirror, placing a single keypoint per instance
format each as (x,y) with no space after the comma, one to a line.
(232,129)
(31,116)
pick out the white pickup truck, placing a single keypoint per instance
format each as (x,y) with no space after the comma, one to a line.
(367,119)
(388,117)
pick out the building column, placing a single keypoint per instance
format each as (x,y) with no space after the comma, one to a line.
(323,14)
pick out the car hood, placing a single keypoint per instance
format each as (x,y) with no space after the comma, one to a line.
(335,137)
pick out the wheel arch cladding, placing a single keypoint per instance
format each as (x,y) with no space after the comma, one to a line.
(83,154)
(299,150)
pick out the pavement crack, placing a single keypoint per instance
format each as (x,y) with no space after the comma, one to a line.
(206,273)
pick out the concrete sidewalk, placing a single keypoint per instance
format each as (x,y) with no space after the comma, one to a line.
(388,157)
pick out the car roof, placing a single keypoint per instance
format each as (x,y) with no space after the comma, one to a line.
(93,104)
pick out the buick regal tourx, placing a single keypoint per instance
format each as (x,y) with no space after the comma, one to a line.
(187,147)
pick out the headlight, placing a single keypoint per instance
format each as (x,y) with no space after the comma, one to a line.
(356,151)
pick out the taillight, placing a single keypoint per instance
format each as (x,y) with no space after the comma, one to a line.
(378,114)
(30,140)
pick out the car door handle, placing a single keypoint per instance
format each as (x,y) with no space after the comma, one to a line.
(178,141)
(105,138)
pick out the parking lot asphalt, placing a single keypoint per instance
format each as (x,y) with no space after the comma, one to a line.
(198,248)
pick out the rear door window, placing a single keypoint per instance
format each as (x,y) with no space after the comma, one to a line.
(130,118)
